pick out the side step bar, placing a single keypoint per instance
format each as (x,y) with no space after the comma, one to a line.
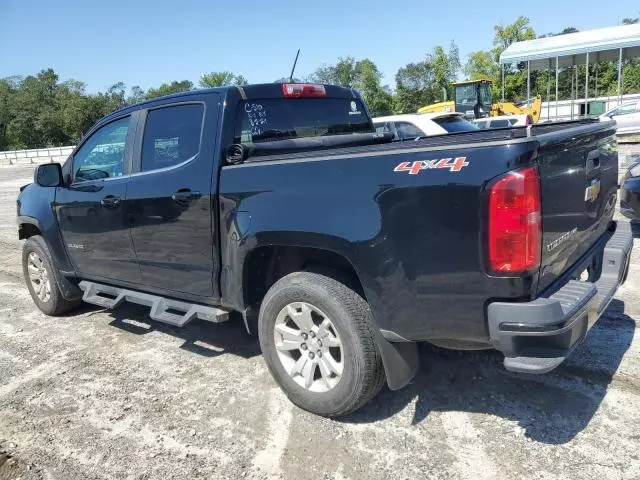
(163,310)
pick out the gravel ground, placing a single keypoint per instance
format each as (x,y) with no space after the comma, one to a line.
(110,394)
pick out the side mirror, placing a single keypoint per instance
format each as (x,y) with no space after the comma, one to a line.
(48,175)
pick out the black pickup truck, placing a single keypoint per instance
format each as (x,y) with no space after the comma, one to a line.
(340,248)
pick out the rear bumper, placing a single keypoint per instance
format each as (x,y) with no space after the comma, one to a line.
(537,336)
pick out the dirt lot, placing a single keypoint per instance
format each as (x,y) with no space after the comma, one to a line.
(104,394)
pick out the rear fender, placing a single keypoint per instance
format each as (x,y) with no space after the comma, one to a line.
(400,360)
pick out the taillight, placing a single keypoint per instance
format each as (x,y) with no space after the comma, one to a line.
(303,90)
(515,222)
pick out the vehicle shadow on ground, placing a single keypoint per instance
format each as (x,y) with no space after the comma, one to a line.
(200,337)
(552,408)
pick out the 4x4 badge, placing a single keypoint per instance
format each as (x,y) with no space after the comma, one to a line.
(414,168)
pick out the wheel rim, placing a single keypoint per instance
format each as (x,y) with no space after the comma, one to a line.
(39,277)
(309,347)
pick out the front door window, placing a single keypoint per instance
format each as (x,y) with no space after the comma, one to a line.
(102,155)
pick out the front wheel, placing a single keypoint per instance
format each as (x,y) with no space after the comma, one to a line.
(316,338)
(39,274)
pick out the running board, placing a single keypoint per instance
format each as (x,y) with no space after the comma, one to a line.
(163,309)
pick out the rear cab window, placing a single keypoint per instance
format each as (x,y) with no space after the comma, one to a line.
(272,119)
(456,124)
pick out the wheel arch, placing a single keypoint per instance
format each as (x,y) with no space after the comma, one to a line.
(267,263)
(28,227)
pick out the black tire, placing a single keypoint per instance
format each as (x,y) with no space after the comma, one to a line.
(56,304)
(363,373)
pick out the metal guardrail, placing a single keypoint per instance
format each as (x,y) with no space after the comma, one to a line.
(35,156)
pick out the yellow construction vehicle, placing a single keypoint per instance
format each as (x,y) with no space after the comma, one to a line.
(474,99)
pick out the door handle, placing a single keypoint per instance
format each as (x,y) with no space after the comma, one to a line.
(185,195)
(110,201)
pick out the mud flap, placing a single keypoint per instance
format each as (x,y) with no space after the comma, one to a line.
(400,360)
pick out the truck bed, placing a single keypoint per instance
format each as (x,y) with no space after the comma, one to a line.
(457,139)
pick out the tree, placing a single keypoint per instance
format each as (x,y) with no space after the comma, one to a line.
(364,76)
(445,67)
(423,83)
(481,66)
(630,21)
(414,87)
(505,35)
(368,81)
(343,73)
(631,77)
(515,76)
(169,88)
(221,79)
(241,80)
(8,88)
(37,121)
(137,95)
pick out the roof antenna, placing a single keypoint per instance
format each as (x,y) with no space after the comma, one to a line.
(294,67)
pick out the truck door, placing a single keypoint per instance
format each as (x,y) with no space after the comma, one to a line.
(172,197)
(91,208)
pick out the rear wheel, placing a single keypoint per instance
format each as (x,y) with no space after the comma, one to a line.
(315,334)
(40,276)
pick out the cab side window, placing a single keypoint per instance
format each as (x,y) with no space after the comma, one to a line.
(500,123)
(408,130)
(624,110)
(171,136)
(102,155)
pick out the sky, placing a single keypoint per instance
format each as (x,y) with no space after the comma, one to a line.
(148,42)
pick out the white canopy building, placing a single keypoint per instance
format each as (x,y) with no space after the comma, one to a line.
(580,48)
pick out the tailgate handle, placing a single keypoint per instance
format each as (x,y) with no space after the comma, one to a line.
(593,161)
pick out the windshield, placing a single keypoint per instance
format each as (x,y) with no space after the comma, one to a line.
(466,94)
(284,119)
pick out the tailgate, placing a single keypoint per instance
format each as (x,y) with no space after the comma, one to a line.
(578,179)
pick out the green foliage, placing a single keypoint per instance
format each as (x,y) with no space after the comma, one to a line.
(39,111)
(364,76)
(423,83)
(445,66)
(221,79)
(631,77)
(415,87)
(169,88)
(481,65)
(505,35)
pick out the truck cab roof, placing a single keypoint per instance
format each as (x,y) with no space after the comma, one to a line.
(246,92)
